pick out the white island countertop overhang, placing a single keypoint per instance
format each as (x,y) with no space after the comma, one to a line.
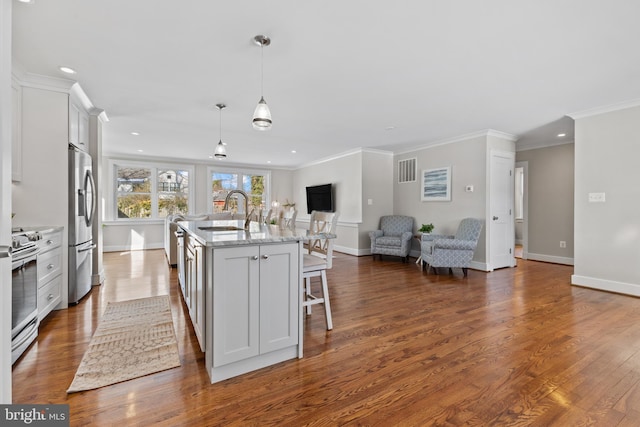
(255,234)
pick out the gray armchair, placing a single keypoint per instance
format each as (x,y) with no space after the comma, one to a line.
(393,237)
(452,251)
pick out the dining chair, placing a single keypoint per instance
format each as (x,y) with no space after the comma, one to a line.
(317,260)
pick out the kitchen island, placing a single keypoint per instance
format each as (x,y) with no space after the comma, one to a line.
(243,292)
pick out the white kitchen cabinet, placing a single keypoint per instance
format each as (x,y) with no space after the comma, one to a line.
(49,272)
(78,125)
(180,259)
(16,129)
(193,290)
(255,301)
(40,197)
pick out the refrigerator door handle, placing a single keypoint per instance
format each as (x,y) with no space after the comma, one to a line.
(92,247)
(90,188)
(5,251)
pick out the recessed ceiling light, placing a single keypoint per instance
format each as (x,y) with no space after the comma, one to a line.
(211,156)
(560,135)
(293,151)
(390,128)
(67,70)
(27,1)
(135,133)
(268,161)
(140,151)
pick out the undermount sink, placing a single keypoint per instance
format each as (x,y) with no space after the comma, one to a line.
(221,228)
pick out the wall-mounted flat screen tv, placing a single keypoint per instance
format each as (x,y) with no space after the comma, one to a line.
(320,198)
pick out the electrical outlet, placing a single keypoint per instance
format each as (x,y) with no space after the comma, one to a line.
(563,244)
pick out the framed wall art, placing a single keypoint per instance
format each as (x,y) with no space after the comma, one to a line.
(436,185)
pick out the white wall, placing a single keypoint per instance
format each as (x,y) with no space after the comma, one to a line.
(467,158)
(345,173)
(550,208)
(607,253)
(377,186)
(5,198)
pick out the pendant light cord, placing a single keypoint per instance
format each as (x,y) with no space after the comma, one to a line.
(262,70)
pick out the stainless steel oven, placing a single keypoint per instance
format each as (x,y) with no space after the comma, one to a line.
(24,284)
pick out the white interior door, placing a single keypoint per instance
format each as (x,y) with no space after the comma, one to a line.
(501,220)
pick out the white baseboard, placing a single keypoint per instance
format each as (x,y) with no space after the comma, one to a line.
(606,285)
(97,279)
(549,258)
(352,251)
(125,248)
(476,265)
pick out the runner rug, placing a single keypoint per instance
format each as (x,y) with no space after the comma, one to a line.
(134,338)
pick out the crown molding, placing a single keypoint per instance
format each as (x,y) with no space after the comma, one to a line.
(479,134)
(38,81)
(56,84)
(545,144)
(605,109)
(345,154)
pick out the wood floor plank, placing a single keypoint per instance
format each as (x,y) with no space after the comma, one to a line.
(517,346)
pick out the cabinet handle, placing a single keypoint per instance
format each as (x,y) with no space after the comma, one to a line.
(265,256)
(50,266)
(255,257)
(49,297)
(49,242)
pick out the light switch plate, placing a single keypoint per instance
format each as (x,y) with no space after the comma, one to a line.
(596,198)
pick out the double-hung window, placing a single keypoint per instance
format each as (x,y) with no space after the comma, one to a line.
(150,191)
(255,183)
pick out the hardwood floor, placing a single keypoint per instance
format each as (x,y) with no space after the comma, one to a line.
(518,346)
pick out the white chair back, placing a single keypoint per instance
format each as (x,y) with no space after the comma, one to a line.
(323,222)
(288,218)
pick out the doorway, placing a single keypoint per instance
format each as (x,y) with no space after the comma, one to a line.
(521,209)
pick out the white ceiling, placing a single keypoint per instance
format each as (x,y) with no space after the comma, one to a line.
(338,74)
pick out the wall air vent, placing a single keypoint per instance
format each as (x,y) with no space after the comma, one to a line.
(407,170)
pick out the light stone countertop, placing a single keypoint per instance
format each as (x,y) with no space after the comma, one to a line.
(256,235)
(39,228)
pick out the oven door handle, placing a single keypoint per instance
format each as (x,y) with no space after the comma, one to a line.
(90,248)
(25,334)
(5,251)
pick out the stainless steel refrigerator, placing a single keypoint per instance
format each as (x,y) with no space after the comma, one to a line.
(82,206)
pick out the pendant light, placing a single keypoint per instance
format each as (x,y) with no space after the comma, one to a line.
(221,150)
(262,115)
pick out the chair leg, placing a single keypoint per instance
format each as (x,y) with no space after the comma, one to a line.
(327,305)
(307,290)
(464,271)
(450,270)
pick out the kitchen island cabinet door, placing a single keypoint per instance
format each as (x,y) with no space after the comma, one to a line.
(278,296)
(236,293)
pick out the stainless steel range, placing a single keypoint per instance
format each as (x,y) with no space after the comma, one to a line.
(24,284)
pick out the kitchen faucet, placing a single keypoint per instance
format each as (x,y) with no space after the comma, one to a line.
(246,206)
